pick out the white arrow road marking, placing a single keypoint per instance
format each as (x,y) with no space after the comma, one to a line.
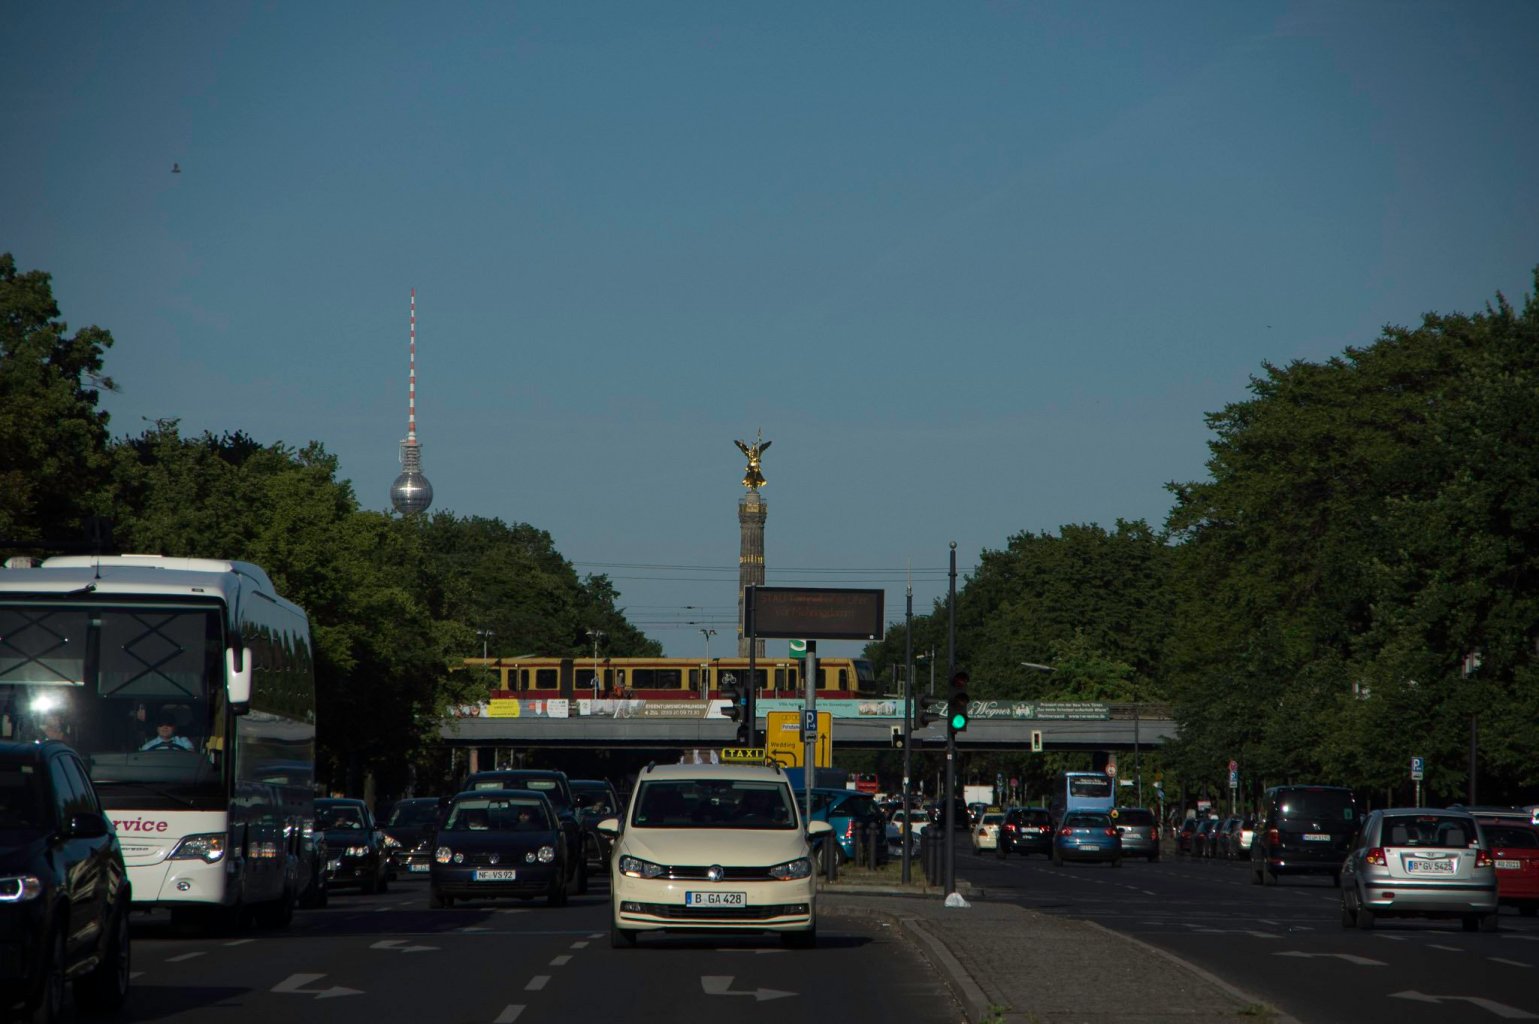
(1500,1009)
(1361,961)
(509,1015)
(398,946)
(721,985)
(295,984)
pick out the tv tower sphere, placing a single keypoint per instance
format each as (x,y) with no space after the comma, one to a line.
(411,493)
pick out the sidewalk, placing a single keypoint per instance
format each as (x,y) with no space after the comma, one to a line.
(1010,965)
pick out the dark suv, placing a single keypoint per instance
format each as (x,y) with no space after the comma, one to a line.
(1303,830)
(64,892)
(1027,830)
(554,784)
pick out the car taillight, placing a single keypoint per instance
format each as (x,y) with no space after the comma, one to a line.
(1273,837)
(1482,859)
(1066,831)
(1111,832)
(1373,856)
(1154,834)
(849,829)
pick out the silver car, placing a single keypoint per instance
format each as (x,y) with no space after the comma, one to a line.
(1139,831)
(1419,862)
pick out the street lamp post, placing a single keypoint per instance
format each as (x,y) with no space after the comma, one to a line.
(705,674)
(595,635)
(930,657)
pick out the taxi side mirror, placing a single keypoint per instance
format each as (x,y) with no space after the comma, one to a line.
(609,827)
(818,828)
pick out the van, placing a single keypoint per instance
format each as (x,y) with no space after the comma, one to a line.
(1303,830)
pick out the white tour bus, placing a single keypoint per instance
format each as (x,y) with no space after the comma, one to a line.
(187,684)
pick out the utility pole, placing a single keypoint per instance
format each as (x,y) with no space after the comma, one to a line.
(595,635)
(949,838)
(906,834)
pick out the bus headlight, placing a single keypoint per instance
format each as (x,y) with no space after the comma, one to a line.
(208,847)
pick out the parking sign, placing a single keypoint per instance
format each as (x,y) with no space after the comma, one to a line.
(1418,767)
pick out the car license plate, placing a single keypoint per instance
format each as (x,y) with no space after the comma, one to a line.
(1510,865)
(716,899)
(1088,846)
(1420,866)
(418,867)
(1316,837)
(495,875)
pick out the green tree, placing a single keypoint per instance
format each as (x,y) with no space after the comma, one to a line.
(52,433)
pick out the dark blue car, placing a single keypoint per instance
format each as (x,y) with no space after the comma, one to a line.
(854,815)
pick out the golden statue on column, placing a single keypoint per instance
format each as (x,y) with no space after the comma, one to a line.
(753,479)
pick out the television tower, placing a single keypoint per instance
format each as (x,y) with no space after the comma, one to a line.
(411,493)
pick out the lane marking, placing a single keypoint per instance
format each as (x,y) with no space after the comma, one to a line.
(583,944)
(537,983)
(184,956)
(239,942)
(1509,963)
(509,1015)
(560,961)
(1450,949)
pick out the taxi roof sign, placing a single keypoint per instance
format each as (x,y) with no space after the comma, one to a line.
(741,755)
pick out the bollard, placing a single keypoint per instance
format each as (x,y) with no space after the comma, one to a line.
(878,836)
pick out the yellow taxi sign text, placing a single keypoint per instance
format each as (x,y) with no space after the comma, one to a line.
(740,755)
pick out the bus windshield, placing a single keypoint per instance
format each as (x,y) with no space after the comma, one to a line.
(134,688)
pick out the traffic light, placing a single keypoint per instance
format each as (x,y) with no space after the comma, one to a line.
(742,734)
(897,736)
(1036,741)
(923,717)
(733,695)
(956,709)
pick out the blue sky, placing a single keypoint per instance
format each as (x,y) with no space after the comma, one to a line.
(973,268)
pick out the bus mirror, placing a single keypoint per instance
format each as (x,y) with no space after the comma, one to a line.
(237,663)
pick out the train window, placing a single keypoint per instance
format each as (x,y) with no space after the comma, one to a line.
(545,679)
(657,679)
(694,679)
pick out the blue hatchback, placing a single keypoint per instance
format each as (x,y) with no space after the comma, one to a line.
(1087,835)
(852,814)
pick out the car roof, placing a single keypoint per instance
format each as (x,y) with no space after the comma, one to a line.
(481,794)
(716,771)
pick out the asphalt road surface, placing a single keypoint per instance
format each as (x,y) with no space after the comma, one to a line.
(1285,944)
(391,958)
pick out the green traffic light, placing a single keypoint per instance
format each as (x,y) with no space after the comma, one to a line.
(958,721)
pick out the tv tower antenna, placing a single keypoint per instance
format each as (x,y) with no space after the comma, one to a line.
(411,493)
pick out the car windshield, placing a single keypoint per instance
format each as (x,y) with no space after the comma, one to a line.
(21,798)
(344,817)
(714,803)
(1086,821)
(413,813)
(1135,816)
(497,814)
(535,784)
(1428,830)
(1318,805)
(1512,837)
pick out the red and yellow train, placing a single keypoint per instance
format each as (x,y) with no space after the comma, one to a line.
(669,678)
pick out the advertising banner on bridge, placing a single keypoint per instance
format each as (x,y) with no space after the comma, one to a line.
(1030,710)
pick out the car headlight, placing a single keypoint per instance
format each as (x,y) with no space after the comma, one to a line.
(390,842)
(801,867)
(356,851)
(546,854)
(208,847)
(20,888)
(635,867)
(443,854)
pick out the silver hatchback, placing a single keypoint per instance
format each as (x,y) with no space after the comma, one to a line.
(1419,862)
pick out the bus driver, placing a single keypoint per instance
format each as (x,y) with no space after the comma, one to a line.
(165,737)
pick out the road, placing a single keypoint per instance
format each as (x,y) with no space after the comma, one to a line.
(1285,944)
(390,957)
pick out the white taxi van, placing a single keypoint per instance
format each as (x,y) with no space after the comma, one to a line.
(712,847)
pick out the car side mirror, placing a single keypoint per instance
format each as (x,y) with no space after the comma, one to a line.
(818,828)
(609,827)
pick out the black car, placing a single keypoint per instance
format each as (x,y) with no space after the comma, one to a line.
(1303,830)
(64,893)
(497,843)
(409,834)
(558,789)
(1027,830)
(355,846)
(596,800)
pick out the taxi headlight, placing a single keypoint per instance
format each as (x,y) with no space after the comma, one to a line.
(208,847)
(546,854)
(799,868)
(20,888)
(443,854)
(635,867)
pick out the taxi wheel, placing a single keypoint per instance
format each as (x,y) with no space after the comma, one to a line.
(621,938)
(1348,918)
(438,900)
(47,1004)
(555,896)
(1485,923)
(1362,917)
